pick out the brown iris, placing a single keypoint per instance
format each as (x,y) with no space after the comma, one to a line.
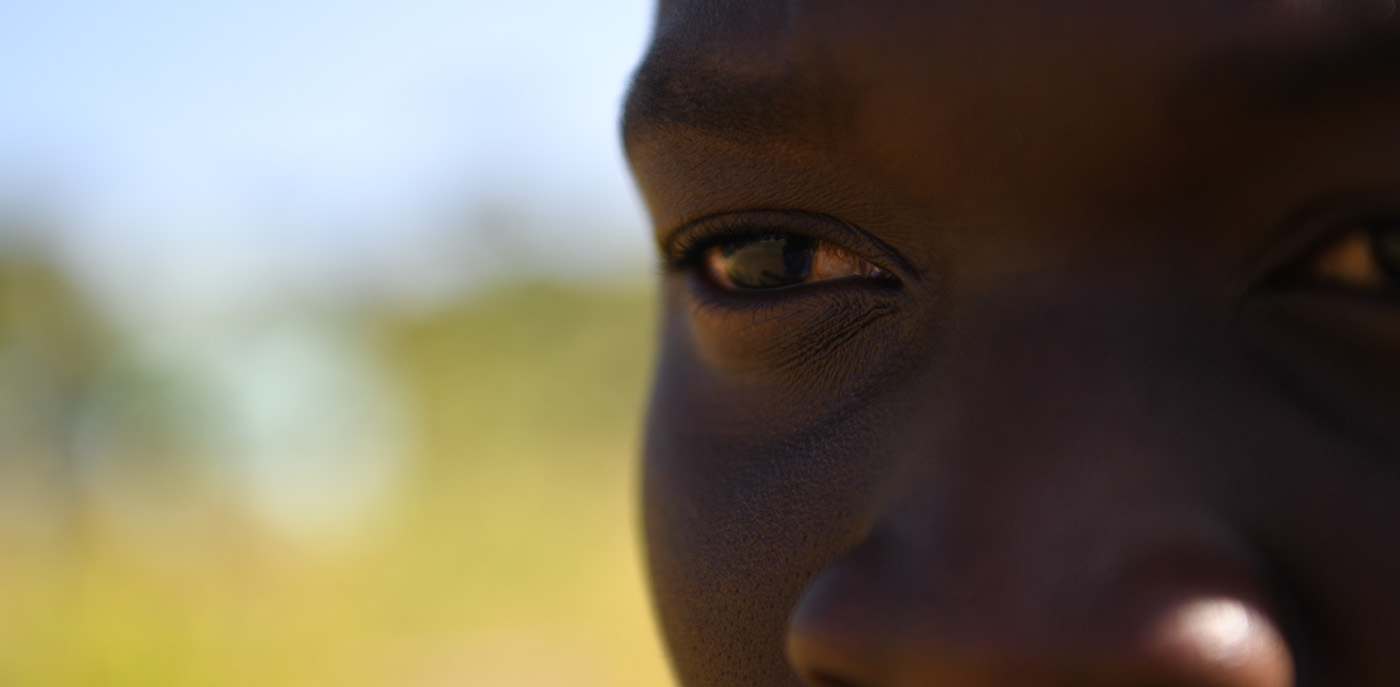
(780,261)
(1366,258)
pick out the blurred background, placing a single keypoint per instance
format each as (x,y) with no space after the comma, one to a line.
(324,337)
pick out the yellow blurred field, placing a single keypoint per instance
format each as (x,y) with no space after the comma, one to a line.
(499,547)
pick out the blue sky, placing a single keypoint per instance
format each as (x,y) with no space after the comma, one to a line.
(223,147)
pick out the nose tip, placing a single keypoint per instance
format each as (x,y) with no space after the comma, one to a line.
(841,637)
(1223,641)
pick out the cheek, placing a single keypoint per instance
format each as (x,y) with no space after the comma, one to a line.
(746,498)
(1325,511)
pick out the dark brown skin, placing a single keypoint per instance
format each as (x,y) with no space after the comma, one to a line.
(1121,403)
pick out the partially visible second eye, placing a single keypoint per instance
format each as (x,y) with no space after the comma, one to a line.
(1366,258)
(777,261)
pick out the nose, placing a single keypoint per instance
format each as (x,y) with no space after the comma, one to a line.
(1062,587)
(1075,548)
(1146,630)
(1084,580)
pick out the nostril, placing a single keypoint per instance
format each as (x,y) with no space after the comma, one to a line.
(831,658)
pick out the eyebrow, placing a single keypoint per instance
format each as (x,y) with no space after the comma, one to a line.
(1306,82)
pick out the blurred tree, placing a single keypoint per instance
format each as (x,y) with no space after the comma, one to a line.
(53,346)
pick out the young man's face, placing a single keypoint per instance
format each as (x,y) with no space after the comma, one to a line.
(1025,343)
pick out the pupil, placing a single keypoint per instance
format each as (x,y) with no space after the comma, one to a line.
(1385,246)
(769,263)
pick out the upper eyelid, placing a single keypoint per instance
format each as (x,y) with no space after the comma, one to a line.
(690,246)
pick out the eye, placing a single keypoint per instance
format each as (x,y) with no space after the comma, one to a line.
(1366,258)
(776,261)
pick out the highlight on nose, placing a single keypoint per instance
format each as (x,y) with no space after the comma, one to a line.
(1203,642)
(1226,642)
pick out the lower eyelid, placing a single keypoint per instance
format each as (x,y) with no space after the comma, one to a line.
(757,333)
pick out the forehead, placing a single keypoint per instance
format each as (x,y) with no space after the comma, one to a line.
(771,36)
(755,68)
(980,97)
(750,67)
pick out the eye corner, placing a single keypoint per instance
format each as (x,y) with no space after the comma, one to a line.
(686,247)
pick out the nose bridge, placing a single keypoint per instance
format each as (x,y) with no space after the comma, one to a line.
(1056,418)
(1056,482)
(1042,531)
(1068,454)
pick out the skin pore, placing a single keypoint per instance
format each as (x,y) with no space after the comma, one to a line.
(1025,343)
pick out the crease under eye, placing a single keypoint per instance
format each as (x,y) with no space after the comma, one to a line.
(780,260)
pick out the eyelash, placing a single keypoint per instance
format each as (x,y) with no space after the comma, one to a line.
(687,251)
(687,246)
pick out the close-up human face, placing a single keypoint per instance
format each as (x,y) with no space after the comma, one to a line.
(1024,343)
